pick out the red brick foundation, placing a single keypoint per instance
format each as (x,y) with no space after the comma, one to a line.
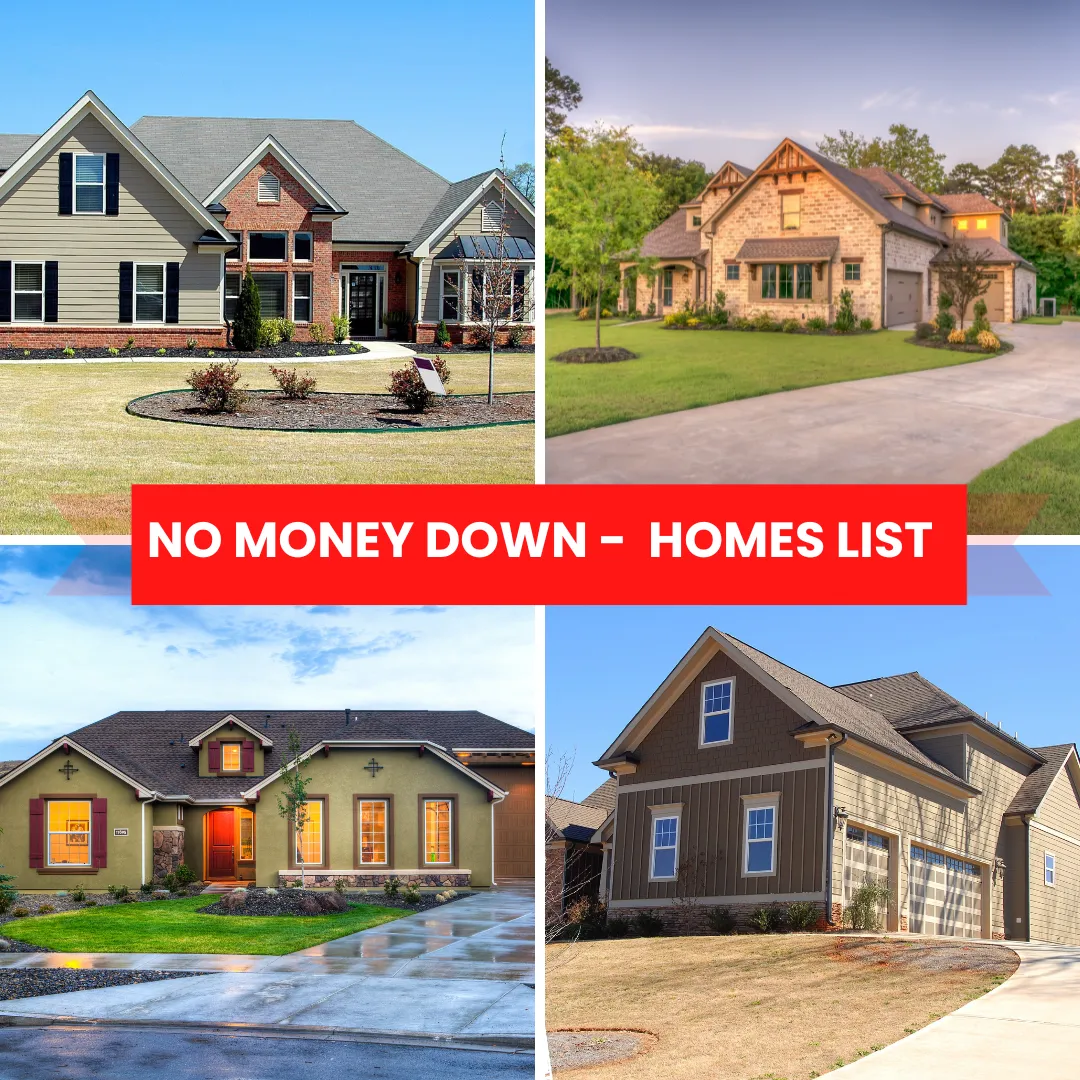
(466,335)
(147,339)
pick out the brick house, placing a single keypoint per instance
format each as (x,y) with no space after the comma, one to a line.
(743,782)
(109,232)
(787,237)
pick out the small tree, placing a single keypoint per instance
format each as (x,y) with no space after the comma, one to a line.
(7,890)
(247,323)
(961,275)
(292,800)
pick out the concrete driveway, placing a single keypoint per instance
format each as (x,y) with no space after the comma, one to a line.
(939,426)
(1027,1027)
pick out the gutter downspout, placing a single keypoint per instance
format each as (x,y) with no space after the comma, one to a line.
(829,762)
(884,314)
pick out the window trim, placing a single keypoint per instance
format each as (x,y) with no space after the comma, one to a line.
(857,267)
(75,184)
(135,320)
(240,818)
(291,837)
(258,189)
(729,276)
(358,802)
(89,864)
(442,293)
(702,744)
(423,801)
(667,287)
(770,800)
(1050,872)
(285,305)
(267,232)
(980,223)
(785,214)
(225,292)
(239,757)
(311,240)
(238,247)
(774,281)
(24,292)
(962,225)
(664,812)
(310,298)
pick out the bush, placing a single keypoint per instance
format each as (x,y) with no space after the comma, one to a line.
(161,351)
(802,915)
(981,322)
(817,323)
(944,320)
(515,337)
(317,332)
(442,334)
(113,350)
(269,334)
(46,909)
(184,874)
(118,892)
(650,311)
(648,925)
(924,330)
(248,319)
(216,387)
(91,902)
(391,887)
(988,341)
(78,894)
(481,337)
(69,352)
(293,385)
(587,915)
(845,313)
(864,910)
(20,912)
(617,928)
(742,323)
(340,325)
(764,321)
(866,324)
(191,344)
(340,886)
(410,894)
(129,344)
(407,386)
(791,326)
(957,337)
(169,882)
(8,895)
(721,920)
(768,919)
(146,888)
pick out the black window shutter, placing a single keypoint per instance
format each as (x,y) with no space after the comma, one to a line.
(5,291)
(112,184)
(66,166)
(127,286)
(172,292)
(52,292)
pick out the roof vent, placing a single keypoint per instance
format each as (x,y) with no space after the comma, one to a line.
(348,714)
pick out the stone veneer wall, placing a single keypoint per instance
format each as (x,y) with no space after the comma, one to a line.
(903,252)
(360,879)
(168,849)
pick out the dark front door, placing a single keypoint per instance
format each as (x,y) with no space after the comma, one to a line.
(221,845)
(361,305)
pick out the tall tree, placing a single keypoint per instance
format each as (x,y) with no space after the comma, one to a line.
(965,177)
(847,149)
(1019,178)
(523,177)
(679,181)
(905,151)
(292,799)
(562,95)
(1067,169)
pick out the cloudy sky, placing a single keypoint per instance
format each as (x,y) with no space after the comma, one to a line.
(715,80)
(73,649)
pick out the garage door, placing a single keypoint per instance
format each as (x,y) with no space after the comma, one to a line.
(515,820)
(903,297)
(866,858)
(945,895)
(994,299)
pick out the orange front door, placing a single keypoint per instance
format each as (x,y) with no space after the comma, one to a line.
(221,845)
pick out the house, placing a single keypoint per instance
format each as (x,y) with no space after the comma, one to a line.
(574,857)
(787,237)
(109,232)
(435,798)
(743,782)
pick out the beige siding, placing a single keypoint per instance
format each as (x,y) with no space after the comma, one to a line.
(151,227)
(1055,910)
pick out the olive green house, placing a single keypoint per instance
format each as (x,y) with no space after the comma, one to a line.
(433,798)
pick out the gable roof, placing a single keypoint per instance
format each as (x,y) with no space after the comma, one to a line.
(1034,788)
(605,796)
(7,766)
(742,169)
(233,721)
(993,252)
(673,239)
(892,183)
(12,147)
(970,202)
(574,820)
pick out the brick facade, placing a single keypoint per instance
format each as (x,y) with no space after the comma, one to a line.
(147,339)
(466,335)
(397,274)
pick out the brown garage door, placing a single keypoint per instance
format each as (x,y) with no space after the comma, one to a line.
(903,297)
(994,299)
(515,821)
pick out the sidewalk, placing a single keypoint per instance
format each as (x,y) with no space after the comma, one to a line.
(376,350)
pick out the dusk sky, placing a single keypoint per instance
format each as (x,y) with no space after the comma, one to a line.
(1013,657)
(716,80)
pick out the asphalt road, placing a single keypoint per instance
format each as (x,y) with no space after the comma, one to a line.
(75,1053)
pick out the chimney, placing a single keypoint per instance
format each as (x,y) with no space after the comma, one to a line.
(348,713)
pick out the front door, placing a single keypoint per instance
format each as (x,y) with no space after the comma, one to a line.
(361,305)
(221,845)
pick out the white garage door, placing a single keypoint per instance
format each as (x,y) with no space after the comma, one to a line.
(866,858)
(945,895)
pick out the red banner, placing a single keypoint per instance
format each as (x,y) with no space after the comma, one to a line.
(549,544)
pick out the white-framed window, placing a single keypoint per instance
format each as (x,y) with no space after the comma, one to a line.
(232,295)
(68,840)
(309,838)
(271,294)
(438,832)
(230,757)
(89,184)
(717,712)
(491,217)
(302,247)
(1049,868)
(28,292)
(269,188)
(372,844)
(664,856)
(150,292)
(301,302)
(512,301)
(268,246)
(235,254)
(450,296)
(759,835)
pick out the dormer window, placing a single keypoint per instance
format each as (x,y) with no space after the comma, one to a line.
(717,711)
(230,757)
(491,217)
(962,225)
(980,223)
(269,188)
(696,220)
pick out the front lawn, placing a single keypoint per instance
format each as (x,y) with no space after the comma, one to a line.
(731,1008)
(1050,320)
(175,926)
(685,369)
(69,453)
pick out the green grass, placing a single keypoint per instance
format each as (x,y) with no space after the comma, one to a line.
(69,453)
(683,369)
(175,926)
(1050,320)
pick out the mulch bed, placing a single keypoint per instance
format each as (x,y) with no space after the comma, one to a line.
(287,902)
(608,354)
(38,982)
(595,1046)
(921,955)
(272,411)
(937,343)
(284,351)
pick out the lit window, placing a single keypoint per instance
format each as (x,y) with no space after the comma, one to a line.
(267,246)
(437,847)
(309,838)
(89,183)
(28,291)
(980,223)
(853,271)
(1049,869)
(451,295)
(149,292)
(665,847)
(302,247)
(301,298)
(733,271)
(804,283)
(230,757)
(269,188)
(791,210)
(69,833)
(759,856)
(247,835)
(373,831)
(962,225)
(232,295)
(717,699)
(768,281)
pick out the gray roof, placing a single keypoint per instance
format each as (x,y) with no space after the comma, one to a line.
(574,820)
(152,747)
(387,193)
(12,147)
(1034,788)
(671,239)
(993,252)
(604,796)
(449,200)
(7,766)
(789,247)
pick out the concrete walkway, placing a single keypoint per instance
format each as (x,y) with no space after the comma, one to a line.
(1028,1027)
(940,426)
(376,350)
(464,970)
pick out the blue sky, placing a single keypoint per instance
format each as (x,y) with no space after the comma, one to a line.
(1013,657)
(717,80)
(407,72)
(75,650)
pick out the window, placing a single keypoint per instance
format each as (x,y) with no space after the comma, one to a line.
(301,299)
(451,295)
(271,294)
(437,831)
(234,254)
(853,271)
(268,246)
(232,294)
(980,223)
(665,847)
(372,839)
(247,834)
(962,225)
(520,283)
(716,708)
(89,183)
(768,282)
(804,283)
(1049,869)
(666,300)
(733,271)
(760,852)
(269,188)
(491,217)
(790,210)
(874,840)
(69,833)
(696,220)
(149,292)
(787,281)
(309,839)
(302,247)
(230,757)
(28,288)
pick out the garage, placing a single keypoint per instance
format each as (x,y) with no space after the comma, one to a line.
(515,821)
(994,298)
(945,894)
(866,858)
(903,297)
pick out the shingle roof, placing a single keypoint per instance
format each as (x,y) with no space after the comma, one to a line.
(1037,784)
(892,183)
(604,796)
(12,147)
(968,202)
(994,252)
(448,202)
(7,766)
(789,247)
(387,193)
(152,747)
(574,820)
(671,239)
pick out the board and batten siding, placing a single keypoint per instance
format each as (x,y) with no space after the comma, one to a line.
(1055,909)
(151,227)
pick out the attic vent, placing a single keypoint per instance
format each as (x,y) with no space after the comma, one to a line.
(269,188)
(491,217)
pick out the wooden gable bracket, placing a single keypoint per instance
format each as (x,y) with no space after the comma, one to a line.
(420,750)
(820,270)
(325,751)
(776,179)
(753,271)
(67,749)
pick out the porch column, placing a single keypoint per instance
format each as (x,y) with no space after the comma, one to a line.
(168,849)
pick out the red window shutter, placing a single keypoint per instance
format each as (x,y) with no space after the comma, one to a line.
(99,833)
(213,757)
(37,834)
(247,756)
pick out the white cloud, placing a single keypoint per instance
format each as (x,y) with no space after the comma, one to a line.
(676,131)
(907,98)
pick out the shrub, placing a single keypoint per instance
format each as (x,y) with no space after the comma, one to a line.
(584,313)
(924,330)
(161,351)
(20,912)
(764,321)
(191,344)
(693,321)
(46,909)
(146,888)
(407,386)
(817,323)
(184,874)
(802,915)
(944,320)
(248,320)
(69,352)
(391,887)
(864,910)
(971,334)
(845,313)
(957,337)
(981,321)
(287,329)
(768,919)
(721,920)
(169,882)
(293,385)
(269,333)
(791,326)
(617,928)
(587,915)
(481,337)
(718,310)
(118,892)
(91,902)
(650,311)
(216,387)
(210,353)
(317,332)
(743,323)
(515,337)
(648,925)
(340,324)
(670,320)
(127,898)
(866,324)
(113,350)
(988,341)
(410,894)
(442,334)
(129,344)
(78,894)
(340,886)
